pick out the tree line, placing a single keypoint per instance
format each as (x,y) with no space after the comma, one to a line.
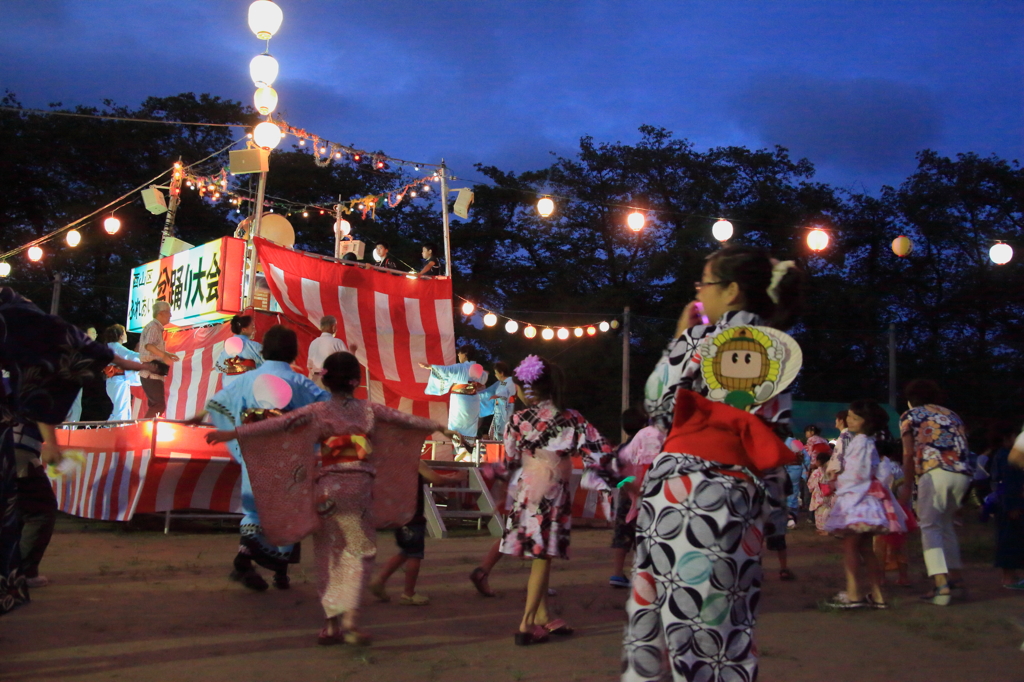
(958,316)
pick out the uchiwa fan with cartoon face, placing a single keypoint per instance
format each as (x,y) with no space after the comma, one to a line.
(747,366)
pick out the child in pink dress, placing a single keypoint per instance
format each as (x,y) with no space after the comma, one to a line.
(863,506)
(821,504)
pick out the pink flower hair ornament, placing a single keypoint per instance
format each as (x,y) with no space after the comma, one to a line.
(530,369)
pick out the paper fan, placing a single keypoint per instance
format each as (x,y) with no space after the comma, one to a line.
(747,366)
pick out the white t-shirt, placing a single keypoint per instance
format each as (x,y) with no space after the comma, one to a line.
(321,347)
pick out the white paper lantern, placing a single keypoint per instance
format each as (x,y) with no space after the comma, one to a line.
(5,269)
(490,319)
(578,332)
(604,326)
(547,334)
(563,333)
(545,207)
(1001,253)
(265,18)
(265,100)
(468,308)
(111,225)
(73,238)
(343,228)
(35,254)
(530,331)
(817,240)
(636,221)
(722,230)
(511,326)
(263,70)
(266,135)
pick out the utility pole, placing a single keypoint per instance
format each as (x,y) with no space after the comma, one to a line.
(254,231)
(625,364)
(172,207)
(55,301)
(443,172)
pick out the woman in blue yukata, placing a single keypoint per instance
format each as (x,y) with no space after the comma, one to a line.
(240,354)
(119,381)
(269,390)
(464,384)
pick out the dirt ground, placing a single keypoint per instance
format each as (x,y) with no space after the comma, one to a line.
(134,604)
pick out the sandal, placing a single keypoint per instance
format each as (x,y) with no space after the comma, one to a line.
(356,638)
(842,601)
(787,575)
(558,627)
(479,579)
(940,596)
(535,635)
(325,639)
(880,605)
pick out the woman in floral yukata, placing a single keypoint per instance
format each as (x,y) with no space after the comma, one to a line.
(542,439)
(46,361)
(353,434)
(697,570)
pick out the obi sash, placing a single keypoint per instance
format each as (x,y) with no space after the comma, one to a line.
(258,414)
(464,389)
(354,447)
(111,371)
(237,366)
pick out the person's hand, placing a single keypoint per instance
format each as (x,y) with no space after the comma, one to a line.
(353,348)
(449,433)
(689,318)
(424,365)
(50,453)
(215,437)
(171,357)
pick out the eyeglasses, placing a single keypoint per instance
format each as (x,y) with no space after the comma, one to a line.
(700,285)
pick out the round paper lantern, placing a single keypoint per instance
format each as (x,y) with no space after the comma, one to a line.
(271,392)
(530,332)
(263,70)
(604,326)
(545,207)
(343,227)
(1001,253)
(233,346)
(902,246)
(35,254)
(636,221)
(511,326)
(578,332)
(265,100)
(817,240)
(547,334)
(111,225)
(563,333)
(722,230)
(267,135)
(73,238)
(265,18)
(5,269)
(490,319)
(276,228)
(468,308)
(615,324)
(591,331)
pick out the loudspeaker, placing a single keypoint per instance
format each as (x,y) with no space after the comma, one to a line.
(170,246)
(154,200)
(249,161)
(463,202)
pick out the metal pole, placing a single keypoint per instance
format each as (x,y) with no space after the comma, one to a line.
(337,237)
(172,207)
(625,363)
(254,232)
(55,301)
(892,366)
(443,172)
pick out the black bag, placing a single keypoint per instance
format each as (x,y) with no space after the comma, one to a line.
(161,368)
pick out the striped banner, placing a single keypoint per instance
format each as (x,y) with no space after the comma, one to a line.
(394,321)
(127,471)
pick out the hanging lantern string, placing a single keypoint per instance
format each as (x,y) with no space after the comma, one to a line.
(604,318)
(116,204)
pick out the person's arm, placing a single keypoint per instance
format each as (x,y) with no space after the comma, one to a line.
(688,318)
(1016,456)
(49,451)
(133,365)
(154,350)
(409,421)
(426,268)
(436,478)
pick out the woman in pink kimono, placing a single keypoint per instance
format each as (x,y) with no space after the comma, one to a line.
(344,534)
(542,439)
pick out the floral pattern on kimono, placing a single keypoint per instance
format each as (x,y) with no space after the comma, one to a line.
(542,439)
(940,440)
(48,361)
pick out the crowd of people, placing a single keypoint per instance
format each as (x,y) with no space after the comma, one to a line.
(702,488)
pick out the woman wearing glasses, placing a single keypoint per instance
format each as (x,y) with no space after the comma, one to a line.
(697,572)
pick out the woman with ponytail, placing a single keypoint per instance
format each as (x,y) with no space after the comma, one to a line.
(705,500)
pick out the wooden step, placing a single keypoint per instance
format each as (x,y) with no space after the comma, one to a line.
(464,514)
(435,489)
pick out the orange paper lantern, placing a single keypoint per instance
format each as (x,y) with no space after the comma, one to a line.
(902,246)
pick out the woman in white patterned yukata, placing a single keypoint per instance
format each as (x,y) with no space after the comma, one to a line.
(542,439)
(697,571)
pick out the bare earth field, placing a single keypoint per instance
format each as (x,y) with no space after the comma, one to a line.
(139,605)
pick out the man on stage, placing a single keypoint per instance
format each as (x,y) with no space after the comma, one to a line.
(323,346)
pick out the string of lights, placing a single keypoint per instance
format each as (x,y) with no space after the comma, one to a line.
(547,331)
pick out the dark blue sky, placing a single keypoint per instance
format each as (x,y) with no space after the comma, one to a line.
(856,86)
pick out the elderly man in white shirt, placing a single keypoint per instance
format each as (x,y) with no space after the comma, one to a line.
(323,346)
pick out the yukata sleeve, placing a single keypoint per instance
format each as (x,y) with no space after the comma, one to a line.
(383,413)
(676,369)
(513,435)
(598,454)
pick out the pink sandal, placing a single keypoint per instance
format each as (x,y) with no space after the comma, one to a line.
(535,635)
(558,627)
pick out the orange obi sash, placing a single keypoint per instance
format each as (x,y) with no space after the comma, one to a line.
(253,415)
(239,366)
(111,371)
(351,447)
(464,389)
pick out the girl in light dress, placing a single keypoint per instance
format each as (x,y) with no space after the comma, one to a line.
(864,507)
(821,504)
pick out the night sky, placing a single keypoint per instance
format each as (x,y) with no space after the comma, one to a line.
(856,87)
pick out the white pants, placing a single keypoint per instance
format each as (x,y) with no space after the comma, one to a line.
(939,493)
(120,393)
